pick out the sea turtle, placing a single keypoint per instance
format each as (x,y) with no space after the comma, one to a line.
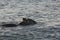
(27,21)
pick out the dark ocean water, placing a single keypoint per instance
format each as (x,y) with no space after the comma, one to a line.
(45,12)
(35,32)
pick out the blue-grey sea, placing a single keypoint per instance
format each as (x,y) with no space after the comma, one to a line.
(45,12)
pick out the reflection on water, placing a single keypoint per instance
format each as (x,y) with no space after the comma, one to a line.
(45,12)
(29,33)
